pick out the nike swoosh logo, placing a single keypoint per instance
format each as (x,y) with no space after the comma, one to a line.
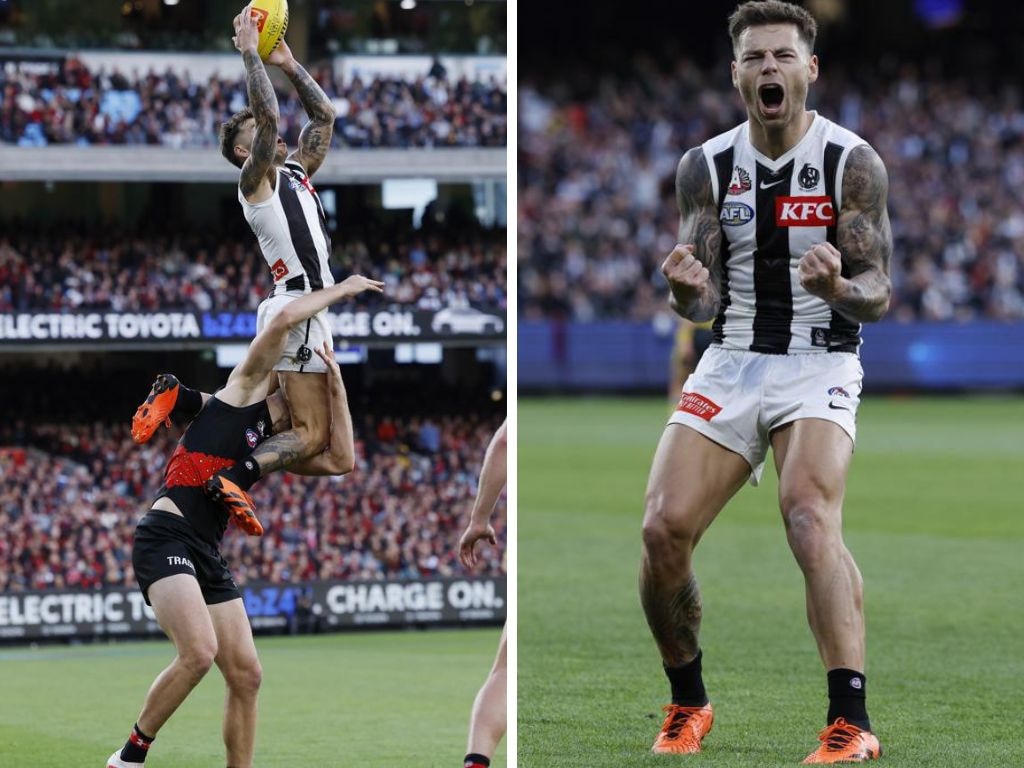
(835,407)
(766,186)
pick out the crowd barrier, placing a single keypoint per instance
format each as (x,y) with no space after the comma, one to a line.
(318,606)
(623,355)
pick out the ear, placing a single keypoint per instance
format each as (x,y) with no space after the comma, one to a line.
(733,68)
(241,152)
(812,69)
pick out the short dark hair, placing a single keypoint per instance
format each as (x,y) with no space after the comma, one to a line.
(762,12)
(229,131)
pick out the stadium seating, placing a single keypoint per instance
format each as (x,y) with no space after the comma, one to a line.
(79,106)
(66,270)
(70,496)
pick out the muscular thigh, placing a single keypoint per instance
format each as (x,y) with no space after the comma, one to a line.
(812,457)
(235,646)
(691,479)
(307,397)
(181,611)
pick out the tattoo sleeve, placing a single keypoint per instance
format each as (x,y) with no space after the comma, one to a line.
(699,226)
(281,450)
(674,619)
(263,103)
(864,237)
(315,138)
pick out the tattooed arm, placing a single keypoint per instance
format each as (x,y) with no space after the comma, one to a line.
(315,139)
(865,244)
(692,269)
(255,180)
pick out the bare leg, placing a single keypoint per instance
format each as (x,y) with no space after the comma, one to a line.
(179,607)
(691,479)
(243,674)
(487,723)
(309,408)
(812,457)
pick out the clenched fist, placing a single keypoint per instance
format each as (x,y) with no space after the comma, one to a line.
(686,276)
(820,271)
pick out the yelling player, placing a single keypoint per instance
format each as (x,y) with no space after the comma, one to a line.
(785,242)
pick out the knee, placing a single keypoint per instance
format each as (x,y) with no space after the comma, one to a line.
(245,679)
(667,531)
(199,658)
(813,535)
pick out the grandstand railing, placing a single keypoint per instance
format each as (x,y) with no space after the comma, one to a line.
(145,164)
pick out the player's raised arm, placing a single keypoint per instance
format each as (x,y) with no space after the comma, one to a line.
(265,350)
(692,268)
(865,244)
(315,138)
(262,102)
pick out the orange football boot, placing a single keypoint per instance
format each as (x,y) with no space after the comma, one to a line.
(236,501)
(156,409)
(844,742)
(683,729)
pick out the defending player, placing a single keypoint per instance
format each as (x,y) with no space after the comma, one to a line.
(785,241)
(175,555)
(487,722)
(285,213)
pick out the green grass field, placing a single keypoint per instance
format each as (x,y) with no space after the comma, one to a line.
(934,517)
(387,700)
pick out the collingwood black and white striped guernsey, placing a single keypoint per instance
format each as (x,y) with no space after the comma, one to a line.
(771,212)
(292,231)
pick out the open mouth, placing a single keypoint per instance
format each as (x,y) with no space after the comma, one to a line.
(771,96)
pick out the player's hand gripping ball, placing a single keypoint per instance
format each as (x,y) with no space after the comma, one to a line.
(271,17)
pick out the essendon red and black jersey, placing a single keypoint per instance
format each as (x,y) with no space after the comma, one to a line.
(771,212)
(218,437)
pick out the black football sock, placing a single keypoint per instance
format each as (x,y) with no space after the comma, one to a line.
(187,405)
(474,760)
(847,697)
(137,746)
(687,683)
(244,473)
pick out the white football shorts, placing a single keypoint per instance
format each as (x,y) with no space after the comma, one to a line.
(303,338)
(737,398)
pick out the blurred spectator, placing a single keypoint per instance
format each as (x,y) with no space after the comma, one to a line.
(69,504)
(103,269)
(597,211)
(76,106)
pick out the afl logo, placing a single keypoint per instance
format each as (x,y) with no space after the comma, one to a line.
(735,214)
(251,437)
(809,176)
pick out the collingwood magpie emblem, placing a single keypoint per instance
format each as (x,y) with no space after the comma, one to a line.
(809,177)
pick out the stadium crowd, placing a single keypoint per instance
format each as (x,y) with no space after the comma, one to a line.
(73,105)
(597,211)
(67,270)
(70,496)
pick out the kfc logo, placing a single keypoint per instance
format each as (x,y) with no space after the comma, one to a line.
(804,211)
(278,269)
(698,405)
